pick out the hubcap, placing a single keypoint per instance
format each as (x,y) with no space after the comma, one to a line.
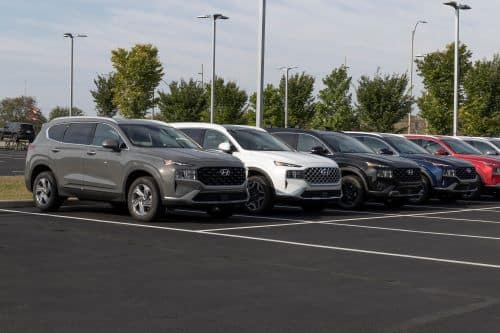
(142,199)
(43,191)
(257,195)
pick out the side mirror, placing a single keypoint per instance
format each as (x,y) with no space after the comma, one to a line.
(318,150)
(225,147)
(111,144)
(441,152)
(385,151)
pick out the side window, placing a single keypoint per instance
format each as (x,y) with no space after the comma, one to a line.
(376,144)
(194,133)
(288,138)
(104,132)
(57,132)
(213,139)
(431,146)
(483,147)
(307,142)
(79,133)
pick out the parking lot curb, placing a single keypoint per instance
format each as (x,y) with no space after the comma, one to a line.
(16,203)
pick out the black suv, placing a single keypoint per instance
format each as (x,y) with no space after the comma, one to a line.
(365,175)
(18,131)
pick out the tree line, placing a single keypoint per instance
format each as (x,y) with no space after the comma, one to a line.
(381,99)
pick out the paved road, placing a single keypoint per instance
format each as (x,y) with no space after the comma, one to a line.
(89,268)
(12,162)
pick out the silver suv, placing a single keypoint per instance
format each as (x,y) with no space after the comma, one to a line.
(140,164)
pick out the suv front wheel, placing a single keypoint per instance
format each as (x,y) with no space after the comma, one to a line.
(143,199)
(45,192)
(261,196)
(353,192)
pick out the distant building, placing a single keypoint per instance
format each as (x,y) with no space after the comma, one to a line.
(418,125)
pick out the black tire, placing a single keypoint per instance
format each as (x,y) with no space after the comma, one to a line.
(425,193)
(476,195)
(143,199)
(313,206)
(261,195)
(221,212)
(353,193)
(395,202)
(45,194)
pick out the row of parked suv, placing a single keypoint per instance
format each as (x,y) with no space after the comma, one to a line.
(149,165)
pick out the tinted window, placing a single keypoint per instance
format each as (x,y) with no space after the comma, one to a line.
(79,133)
(288,138)
(483,147)
(461,147)
(57,132)
(376,144)
(307,142)
(251,139)
(404,145)
(431,146)
(342,143)
(496,143)
(194,133)
(157,136)
(105,132)
(213,139)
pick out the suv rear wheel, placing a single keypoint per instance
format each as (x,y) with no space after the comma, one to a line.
(45,192)
(353,193)
(260,195)
(143,199)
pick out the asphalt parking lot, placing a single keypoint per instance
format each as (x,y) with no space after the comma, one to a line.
(91,268)
(12,162)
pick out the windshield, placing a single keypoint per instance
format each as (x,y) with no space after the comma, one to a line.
(258,140)
(342,143)
(405,146)
(461,147)
(496,143)
(157,136)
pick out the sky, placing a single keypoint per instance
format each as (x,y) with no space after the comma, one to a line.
(316,35)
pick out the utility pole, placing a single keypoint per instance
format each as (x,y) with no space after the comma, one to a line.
(261,41)
(287,70)
(412,60)
(72,37)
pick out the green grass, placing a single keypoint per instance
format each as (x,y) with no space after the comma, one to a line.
(13,188)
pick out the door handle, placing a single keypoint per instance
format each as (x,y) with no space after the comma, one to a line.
(55,150)
(91,153)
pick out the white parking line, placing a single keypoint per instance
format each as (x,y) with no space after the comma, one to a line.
(269,240)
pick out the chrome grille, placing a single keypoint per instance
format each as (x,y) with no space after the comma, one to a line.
(407,175)
(221,176)
(322,175)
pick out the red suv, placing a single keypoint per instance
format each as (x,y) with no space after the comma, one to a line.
(487,167)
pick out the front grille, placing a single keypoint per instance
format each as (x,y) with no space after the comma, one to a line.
(220,176)
(322,175)
(321,194)
(409,175)
(220,197)
(466,173)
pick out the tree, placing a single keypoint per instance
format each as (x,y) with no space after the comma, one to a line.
(103,95)
(60,111)
(334,109)
(383,101)
(274,115)
(138,73)
(482,106)
(437,71)
(21,109)
(230,103)
(186,101)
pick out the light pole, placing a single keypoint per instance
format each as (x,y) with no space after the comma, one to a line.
(261,42)
(457,7)
(287,70)
(202,74)
(411,69)
(72,37)
(214,18)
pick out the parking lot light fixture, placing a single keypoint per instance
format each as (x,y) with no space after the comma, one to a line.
(412,60)
(214,18)
(457,7)
(72,36)
(286,70)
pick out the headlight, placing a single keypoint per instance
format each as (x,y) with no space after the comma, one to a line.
(440,165)
(496,171)
(449,173)
(295,174)
(384,173)
(185,174)
(284,164)
(174,163)
(375,165)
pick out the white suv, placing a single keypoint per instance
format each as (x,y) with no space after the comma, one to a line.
(276,172)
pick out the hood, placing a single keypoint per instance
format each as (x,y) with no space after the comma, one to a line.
(451,161)
(304,159)
(194,157)
(391,161)
(480,158)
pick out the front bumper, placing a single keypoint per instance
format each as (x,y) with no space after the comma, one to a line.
(457,185)
(299,189)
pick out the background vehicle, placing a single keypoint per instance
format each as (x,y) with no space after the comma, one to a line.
(495,141)
(142,163)
(483,145)
(487,168)
(445,177)
(276,172)
(365,175)
(18,131)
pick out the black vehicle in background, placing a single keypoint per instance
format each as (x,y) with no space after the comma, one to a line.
(365,175)
(18,131)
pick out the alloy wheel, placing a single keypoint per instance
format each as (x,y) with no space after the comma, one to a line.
(257,195)
(142,199)
(43,191)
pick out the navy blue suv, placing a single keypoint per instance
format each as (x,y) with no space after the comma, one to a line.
(440,174)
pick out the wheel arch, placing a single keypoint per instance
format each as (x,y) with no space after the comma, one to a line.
(350,171)
(259,172)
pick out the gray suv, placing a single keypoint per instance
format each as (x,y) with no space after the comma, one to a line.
(140,164)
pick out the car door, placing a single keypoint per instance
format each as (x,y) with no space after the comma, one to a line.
(69,156)
(103,168)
